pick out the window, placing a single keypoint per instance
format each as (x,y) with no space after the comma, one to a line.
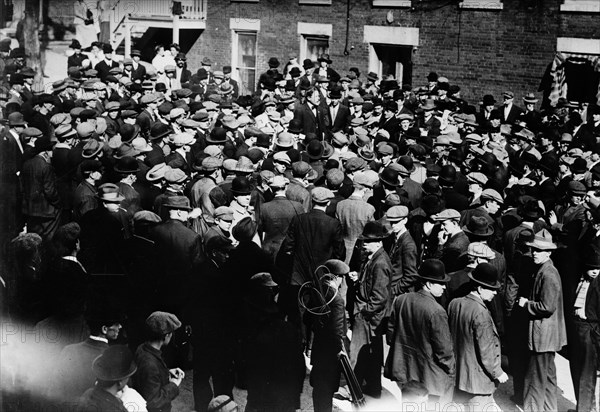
(589,6)
(315,47)
(391,3)
(482,4)
(246,60)
(314,40)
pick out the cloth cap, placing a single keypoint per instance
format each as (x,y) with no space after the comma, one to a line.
(175,175)
(477,177)
(396,213)
(492,195)
(224,213)
(263,279)
(480,249)
(447,214)
(362,178)
(321,195)
(162,323)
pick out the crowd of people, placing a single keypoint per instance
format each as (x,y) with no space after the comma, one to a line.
(156,220)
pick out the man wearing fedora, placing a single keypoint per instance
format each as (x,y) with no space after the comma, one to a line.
(510,112)
(476,341)
(403,252)
(447,178)
(104,66)
(85,196)
(127,167)
(339,114)
(547,327)
(112,369)
(371,289)
(419,336)
(530,117)
(324,70)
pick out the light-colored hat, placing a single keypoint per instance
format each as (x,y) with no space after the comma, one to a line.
(157,172)
(542,241)
(447,214)
(480,249)
(396,213)
(141,145)
(477,177)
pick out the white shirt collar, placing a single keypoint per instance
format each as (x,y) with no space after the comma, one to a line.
(99,339)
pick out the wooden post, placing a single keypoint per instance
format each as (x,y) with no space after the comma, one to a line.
(175,28)
(32,42)
(127,36)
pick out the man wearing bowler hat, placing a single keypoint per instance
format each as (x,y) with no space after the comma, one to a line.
(419,336)
(546,325)
(181,248)
(104,66)
(339,114)
(371,303)
(112,369)
(476,341)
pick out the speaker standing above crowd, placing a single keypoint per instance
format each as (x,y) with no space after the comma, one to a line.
(159,219)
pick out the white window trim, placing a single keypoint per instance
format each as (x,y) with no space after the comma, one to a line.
(482,4)
(578,45)
(312,29)
(398,36)
(315,2)
(392,3)
(583,6)
(240,25)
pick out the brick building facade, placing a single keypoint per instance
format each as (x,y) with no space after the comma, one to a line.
(485,46)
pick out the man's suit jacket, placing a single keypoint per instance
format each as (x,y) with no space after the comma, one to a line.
(372,300)
(477,345)
(455,246)
(180,246)
(312,238)
(311,124)
(40,194)
(513,114)
(12,157)
(84,200)
(274,219)
(414,192)
(403,255)
(342,118)
(139,73)
(76,60)
(144,120)
(353,213)
(103,68)
(297,192)
(420,343)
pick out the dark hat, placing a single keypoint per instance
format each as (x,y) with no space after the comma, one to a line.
(273,62)
(337,267)
(389,176)
(295,126)
(374,231)
(162,323)
(447,175)
(407,162)
(485,275)
(478,226)
(44,144)
(576,188)
(16,119)
(17,78)
(433,270)
(413,133)
(579,166)
(159,130)
(218,243)
(324,58)
(294,72)
(241,186)
(135,52)
(592,261)
(91,165)
(75,44)
(107,48)
(314,149)
(177,202)
(372,76)
(226,69)
(530,211)
(115,364)
(307,64)
(335,92)
(127,165)
(488,100)
(432,77)
(218,135)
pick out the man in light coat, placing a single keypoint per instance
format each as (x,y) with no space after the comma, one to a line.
(476,341)
(547,331)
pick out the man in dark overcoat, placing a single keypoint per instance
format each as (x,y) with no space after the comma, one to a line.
(476,341)
(403,253)
(419,336)
(372,291)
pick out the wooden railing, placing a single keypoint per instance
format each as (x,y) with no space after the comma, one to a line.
(138,9)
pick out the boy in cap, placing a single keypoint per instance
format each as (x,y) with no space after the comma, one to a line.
(157,384)
(476,341)
(403,253)
(452,241)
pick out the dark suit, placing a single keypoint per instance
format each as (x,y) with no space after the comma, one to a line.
(139,73)
(103,68)
(67,285)
(76,60)
(476,342)
(371,306)
(513,114)
(152,379)
(41,203)
(318,124)
(454,199)
(181,249)
(403,256)
(274,219)
(420,344)
(342,119)
(455,246)
(145,120)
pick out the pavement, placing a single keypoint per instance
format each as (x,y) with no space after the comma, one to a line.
(391,397)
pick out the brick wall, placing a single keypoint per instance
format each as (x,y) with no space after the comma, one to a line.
(482,51)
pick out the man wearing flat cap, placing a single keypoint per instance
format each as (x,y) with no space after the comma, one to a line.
(546,325)
(452,241)
(419,336)
(403,252)
(371,287)
(157,384)
(476,341)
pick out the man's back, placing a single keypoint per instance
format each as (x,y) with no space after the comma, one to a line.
(275,218)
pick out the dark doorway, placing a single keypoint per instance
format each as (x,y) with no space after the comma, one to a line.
(395,61)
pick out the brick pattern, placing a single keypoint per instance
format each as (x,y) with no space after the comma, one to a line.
(483,51)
